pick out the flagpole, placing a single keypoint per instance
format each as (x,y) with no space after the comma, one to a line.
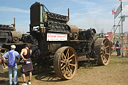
(114,25)
(114,30)
(122,29)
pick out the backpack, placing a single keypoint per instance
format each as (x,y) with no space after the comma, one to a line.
(11,60)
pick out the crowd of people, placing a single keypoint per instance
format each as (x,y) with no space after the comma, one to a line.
(12,58)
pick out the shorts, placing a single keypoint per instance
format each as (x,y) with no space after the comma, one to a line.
(27,67)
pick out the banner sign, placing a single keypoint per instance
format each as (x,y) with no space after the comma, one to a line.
(56,37)
(118,10)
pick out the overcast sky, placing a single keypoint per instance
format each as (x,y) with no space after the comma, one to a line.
(84,14)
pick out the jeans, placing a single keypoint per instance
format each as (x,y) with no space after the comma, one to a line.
(118,52)
(14,70)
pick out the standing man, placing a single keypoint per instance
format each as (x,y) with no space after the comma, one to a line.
(27,65)
(1,67)
(118,48)
(12,56)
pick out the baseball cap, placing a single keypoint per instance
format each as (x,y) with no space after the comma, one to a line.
(13,46)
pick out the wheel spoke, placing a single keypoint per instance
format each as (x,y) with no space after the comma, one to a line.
(107,47)
(102,51)
(63,67)
(63,55)
(104,59)
(107,53)
(65,73)
(102,48)
(70,71)
(67,54)
(62,64)
(69,68)
(63,61)
(102,54)
(63,70)
(104,42)
(71,56)
(72,64)
(70,60)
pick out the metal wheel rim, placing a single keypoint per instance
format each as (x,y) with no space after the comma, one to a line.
(65,62)
(103,51)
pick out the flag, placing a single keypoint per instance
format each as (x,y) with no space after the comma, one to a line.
(119,9)
(113,11)
(119,0)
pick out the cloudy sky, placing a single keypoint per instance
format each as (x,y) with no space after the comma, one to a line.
(84,14)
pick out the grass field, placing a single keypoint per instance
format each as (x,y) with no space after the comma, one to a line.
(115,73)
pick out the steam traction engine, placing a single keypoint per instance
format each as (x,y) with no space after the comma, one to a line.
(63,42)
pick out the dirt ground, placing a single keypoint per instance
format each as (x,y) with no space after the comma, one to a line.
(115,73)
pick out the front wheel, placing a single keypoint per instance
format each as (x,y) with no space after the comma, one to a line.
(65,62)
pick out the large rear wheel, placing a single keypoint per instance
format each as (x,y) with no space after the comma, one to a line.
(102,51)
(65,62)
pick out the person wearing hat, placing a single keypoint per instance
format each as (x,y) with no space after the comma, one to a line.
(12,69)
(1,67)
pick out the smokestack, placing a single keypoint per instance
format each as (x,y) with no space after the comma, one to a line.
(68,14)
(14,25)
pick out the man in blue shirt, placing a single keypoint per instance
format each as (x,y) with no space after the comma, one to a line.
(14,69)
